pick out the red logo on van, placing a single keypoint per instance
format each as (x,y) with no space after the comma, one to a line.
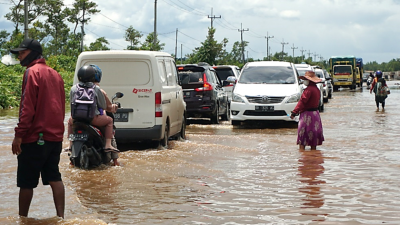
(142,90)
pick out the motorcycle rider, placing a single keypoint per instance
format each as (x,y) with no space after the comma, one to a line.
(111,108)
(87,76)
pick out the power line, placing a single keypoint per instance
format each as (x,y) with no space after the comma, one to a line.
(241,30)
(180,8)
(98,36)
(212,17)
(189,36)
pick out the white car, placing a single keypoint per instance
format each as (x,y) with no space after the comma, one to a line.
(265,90)
(325,90)
(225,71)
(302,69)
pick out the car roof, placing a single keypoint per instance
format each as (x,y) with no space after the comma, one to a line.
(268,63)
(226,66)
(302,65)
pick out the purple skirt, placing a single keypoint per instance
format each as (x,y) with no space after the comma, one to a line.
(310,131)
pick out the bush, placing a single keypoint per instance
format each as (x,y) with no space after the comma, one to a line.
(11,79)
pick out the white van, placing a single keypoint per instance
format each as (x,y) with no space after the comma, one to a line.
(152,108)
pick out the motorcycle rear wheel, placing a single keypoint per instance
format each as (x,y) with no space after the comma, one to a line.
(83,158)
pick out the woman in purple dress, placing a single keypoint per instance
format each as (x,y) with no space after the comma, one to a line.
(310,131)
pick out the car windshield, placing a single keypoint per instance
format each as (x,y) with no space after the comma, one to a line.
(319,74)
(224,73)
(267,75)
(302,72)
(189,76)
(342,70)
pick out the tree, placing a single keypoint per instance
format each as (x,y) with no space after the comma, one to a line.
(99,44)
(35,10)
(3,40)
(133,37)
(55,25)
(149,43)
(80,12)
(210,51)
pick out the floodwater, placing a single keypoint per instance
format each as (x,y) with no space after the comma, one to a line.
(221,174)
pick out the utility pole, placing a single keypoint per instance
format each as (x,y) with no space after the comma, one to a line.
(176,43)
(155,26)
(213,17)
(181,53)
(293,48)
(283,47)
(309,54)
(302,53)
(268,37)
(315,56)
(26,19)
(83,25)
(241,35)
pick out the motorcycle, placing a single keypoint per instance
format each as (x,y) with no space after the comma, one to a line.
(87,150)
(369,81)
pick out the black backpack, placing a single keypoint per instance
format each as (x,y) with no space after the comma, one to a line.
(84,103)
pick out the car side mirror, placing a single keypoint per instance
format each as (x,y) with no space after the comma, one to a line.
(231,80)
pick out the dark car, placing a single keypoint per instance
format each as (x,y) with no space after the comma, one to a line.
(203,92)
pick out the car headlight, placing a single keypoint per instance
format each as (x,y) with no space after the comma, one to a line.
(237,98)
(335,80)
(350,79)
(293,98)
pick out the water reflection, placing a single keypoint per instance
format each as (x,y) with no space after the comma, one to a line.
(310,168)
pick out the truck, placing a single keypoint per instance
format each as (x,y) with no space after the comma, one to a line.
(360,66)
(344,71)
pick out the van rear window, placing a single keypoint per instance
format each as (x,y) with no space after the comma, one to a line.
(120,72)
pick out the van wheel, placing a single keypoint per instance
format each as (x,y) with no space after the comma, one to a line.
(164,141)
(227,114)
(215,116)
(182,134)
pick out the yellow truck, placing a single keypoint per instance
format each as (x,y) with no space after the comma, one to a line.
(344,72)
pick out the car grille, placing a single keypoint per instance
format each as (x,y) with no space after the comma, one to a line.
(264,99)
(258,113)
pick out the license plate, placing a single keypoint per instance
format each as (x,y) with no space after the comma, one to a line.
(265,108)
(78,137)
(121,117)
(186,94)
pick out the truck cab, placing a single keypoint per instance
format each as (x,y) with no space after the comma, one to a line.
(344,71)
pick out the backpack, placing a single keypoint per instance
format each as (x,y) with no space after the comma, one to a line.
(84,103)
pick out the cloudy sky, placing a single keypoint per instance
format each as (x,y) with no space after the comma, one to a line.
(322,28)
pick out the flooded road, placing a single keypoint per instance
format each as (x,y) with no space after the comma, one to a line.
(235,175)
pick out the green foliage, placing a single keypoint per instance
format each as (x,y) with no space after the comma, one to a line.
(133,37)
(10,85)
(11,79)
(149,43)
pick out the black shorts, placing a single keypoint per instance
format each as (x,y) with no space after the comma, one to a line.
(36,160)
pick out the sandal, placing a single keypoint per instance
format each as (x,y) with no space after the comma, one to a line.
(111,150)
(68,149)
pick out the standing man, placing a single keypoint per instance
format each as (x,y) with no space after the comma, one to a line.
(41,116)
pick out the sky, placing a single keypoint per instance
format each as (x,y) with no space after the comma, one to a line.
(367,29)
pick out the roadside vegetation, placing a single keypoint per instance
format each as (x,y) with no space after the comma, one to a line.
(57,27)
